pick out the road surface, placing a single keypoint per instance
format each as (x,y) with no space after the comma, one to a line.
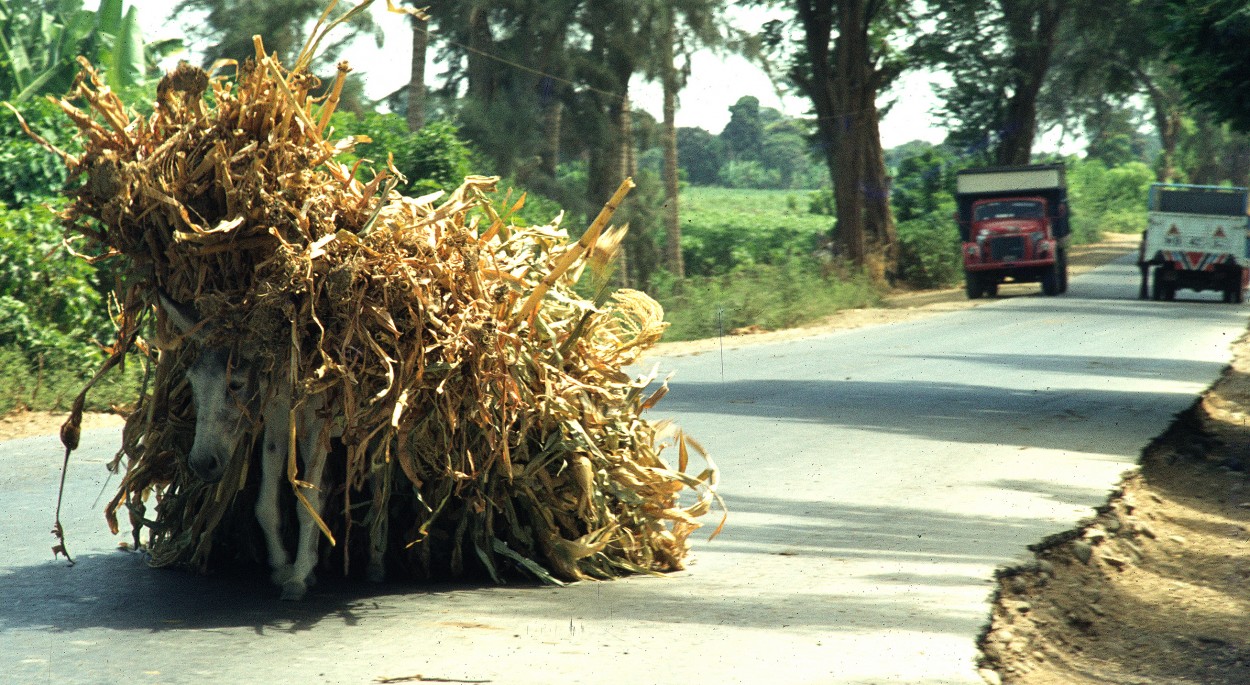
(875,477)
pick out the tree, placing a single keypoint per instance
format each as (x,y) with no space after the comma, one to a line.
(1206,42)
(1096,74)
(785,150)
(700,154)
(415,110)
(1211,153)
(844,63)
(998,53)
(227,27)
(510,72)
(432,158)
(681,26)
(1113,136)
(744,134)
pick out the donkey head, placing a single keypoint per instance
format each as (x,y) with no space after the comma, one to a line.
(227,391)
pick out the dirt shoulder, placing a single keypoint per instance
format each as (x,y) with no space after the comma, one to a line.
(1152,590)
(27,424)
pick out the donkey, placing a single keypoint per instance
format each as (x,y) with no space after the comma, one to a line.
(230,389)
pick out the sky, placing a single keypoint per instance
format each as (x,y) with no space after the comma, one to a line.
(716,82)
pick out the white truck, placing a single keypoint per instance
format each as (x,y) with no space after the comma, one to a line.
(1196,237)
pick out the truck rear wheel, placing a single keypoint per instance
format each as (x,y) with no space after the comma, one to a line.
(1063,270)
(1232,286)
(1162,287)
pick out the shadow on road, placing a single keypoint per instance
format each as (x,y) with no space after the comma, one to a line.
(781,562)
(828,567)
(1068,365)
(119,591)
(949,412)
(899,533)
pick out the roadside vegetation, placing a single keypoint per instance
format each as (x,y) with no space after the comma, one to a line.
(758,240)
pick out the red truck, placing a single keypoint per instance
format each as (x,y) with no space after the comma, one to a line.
(1013,225)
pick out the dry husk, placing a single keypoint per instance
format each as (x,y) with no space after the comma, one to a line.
(467,377)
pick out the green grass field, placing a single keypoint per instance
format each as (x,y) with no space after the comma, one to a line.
(751,261)
(723,228)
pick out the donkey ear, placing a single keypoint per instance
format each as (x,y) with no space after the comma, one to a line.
(183,316)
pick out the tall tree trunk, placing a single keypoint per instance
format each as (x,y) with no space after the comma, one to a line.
(1167,118)
(608,140)
(1031,28)
(416,79)
(816,17)
(639,242)
(883,234)
(553,119)
(849,60)
(481,71)
(625,139)
(672,218)
(843,84)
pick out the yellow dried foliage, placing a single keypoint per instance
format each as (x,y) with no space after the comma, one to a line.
(466,373)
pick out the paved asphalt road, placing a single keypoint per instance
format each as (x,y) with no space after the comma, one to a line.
(876,478)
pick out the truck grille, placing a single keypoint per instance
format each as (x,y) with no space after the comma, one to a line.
(1007,248)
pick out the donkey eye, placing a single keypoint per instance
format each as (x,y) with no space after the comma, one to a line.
(237,385)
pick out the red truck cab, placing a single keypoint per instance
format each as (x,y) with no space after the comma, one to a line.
(1010,230)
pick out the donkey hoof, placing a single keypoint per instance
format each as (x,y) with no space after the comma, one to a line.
(293,591)
(376,573)
(282,575)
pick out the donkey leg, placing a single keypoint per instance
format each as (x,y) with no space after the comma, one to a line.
(272,468)
(313,452)
(378,533)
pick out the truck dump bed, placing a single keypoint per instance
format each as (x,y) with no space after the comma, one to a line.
(1039,180)
(1191,199)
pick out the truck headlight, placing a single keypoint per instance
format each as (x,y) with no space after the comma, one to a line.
(1041,246)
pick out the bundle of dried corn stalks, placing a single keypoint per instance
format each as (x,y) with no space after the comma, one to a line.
(486,395)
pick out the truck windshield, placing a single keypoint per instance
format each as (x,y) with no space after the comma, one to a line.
(1013,209)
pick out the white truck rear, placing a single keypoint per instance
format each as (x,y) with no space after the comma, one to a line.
(1196,237)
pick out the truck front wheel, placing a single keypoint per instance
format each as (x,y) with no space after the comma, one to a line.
(973,285)
(1051,280)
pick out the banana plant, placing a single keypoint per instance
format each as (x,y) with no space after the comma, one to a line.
(40,41)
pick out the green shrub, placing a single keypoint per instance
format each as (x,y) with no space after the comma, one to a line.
(928,251)
(749,174)
(48,383)
(29,173)
(52,319)
(791,293)
(50,301)
(1105,199)
(433,158)
(821,202)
